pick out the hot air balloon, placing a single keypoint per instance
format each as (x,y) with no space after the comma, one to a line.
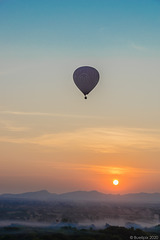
(86,78)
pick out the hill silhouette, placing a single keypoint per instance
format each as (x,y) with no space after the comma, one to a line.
(85,196)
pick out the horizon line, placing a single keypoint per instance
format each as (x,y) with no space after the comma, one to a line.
(88,191)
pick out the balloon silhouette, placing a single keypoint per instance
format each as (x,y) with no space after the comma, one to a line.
(86,78)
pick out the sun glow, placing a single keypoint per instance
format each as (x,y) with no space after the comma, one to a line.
(115,182)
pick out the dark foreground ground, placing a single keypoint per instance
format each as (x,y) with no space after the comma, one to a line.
(69,233)
(65,220)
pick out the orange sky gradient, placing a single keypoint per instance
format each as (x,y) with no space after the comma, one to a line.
(85,159)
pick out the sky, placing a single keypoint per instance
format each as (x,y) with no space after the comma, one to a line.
(50,137)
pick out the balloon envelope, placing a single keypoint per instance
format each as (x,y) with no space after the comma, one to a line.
(86,78)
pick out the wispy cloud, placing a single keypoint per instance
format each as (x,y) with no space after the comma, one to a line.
(103,140)
(138,47)
(45,114)
(123,170)
(106,170)
(9,126)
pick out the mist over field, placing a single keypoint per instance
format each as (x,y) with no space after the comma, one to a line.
(80,210)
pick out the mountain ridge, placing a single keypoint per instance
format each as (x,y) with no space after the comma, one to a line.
(84,196)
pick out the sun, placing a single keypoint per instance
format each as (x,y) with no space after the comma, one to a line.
(115,182)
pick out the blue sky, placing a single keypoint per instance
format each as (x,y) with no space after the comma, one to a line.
(51,137)
(85,26)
